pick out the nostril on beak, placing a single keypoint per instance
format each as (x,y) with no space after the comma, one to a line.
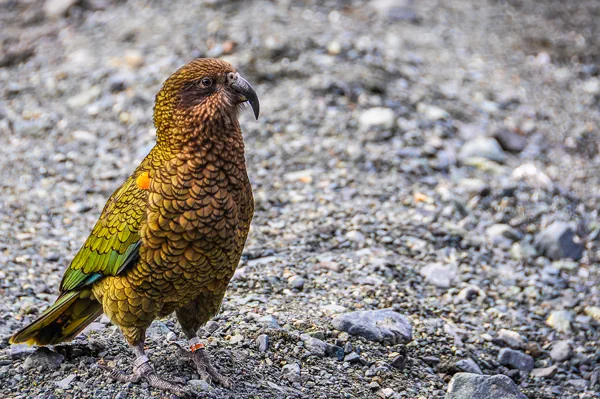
(231,77)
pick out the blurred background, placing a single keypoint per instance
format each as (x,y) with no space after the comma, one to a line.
(439,158)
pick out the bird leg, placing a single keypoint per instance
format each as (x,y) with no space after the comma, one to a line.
(143,369)
(201,359)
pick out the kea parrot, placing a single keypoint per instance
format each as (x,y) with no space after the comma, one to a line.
(170,238)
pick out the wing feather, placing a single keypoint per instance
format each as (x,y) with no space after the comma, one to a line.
(114,241)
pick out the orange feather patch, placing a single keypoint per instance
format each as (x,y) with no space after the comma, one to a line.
(143,181)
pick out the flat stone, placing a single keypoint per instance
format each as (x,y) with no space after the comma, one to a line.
(355,236)
(473,386)
(510,141)
(263,342)
(516,359)
(399,362)
(352,357)
(511,339)
(335,351)
(383,325)
(18,351)
(236,339)
(560,320)
(440,275)
(468,366)
(395,10)
(545,372)
(502,234)
(313,345)
(201,385)
(469,294)
(43,358)
(269,321)
(530,174)
(484,147)
(58,8)
(292,368)
(157,330)
(211,326)
(432,112)
(84,136)
(561,351)
(296,282)
(593,312)
(377,117)
(557,242)
(95,326)
(65,382)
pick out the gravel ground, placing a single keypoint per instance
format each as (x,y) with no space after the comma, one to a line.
(437,158)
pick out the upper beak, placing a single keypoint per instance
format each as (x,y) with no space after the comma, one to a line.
(247,93)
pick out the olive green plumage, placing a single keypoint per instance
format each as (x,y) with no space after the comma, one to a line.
(169,239)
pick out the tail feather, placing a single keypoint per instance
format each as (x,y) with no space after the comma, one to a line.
(62,321)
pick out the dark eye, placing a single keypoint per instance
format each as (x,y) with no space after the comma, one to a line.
(206,82)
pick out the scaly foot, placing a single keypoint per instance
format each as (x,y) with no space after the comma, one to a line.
(201,359)
(142,369)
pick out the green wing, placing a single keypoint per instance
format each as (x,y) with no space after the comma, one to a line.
(114,242)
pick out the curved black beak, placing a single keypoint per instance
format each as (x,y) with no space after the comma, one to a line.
(247,93)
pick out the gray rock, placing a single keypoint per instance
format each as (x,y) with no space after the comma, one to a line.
(522,250)
(43,358)
(269,321)
(560,320)
(469,294)
(510,141)
(352,357)
(32,127)
(157,330)
(431,112)
(487,148)
(515,359)
(545,372)
(399,362)
(561,351)
(84,136)
(395,10)
(94,327)
(84,97)
(58,8)
(263,342)
(578,383)
(211,326)
(18,351)
(473,187)
(468,366)
(556,242)
(314,345)
(296,282)
(377,117)
(439,275)
(531,175)
(593,312)
(65,382)
(383,325)
(473,386)
(502,235)
(335,351)
(355,236)
(171,336)
(201,385)
(511,339)
(236,339)
(292,368)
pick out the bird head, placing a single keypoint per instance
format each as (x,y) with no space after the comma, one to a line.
(206,88)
